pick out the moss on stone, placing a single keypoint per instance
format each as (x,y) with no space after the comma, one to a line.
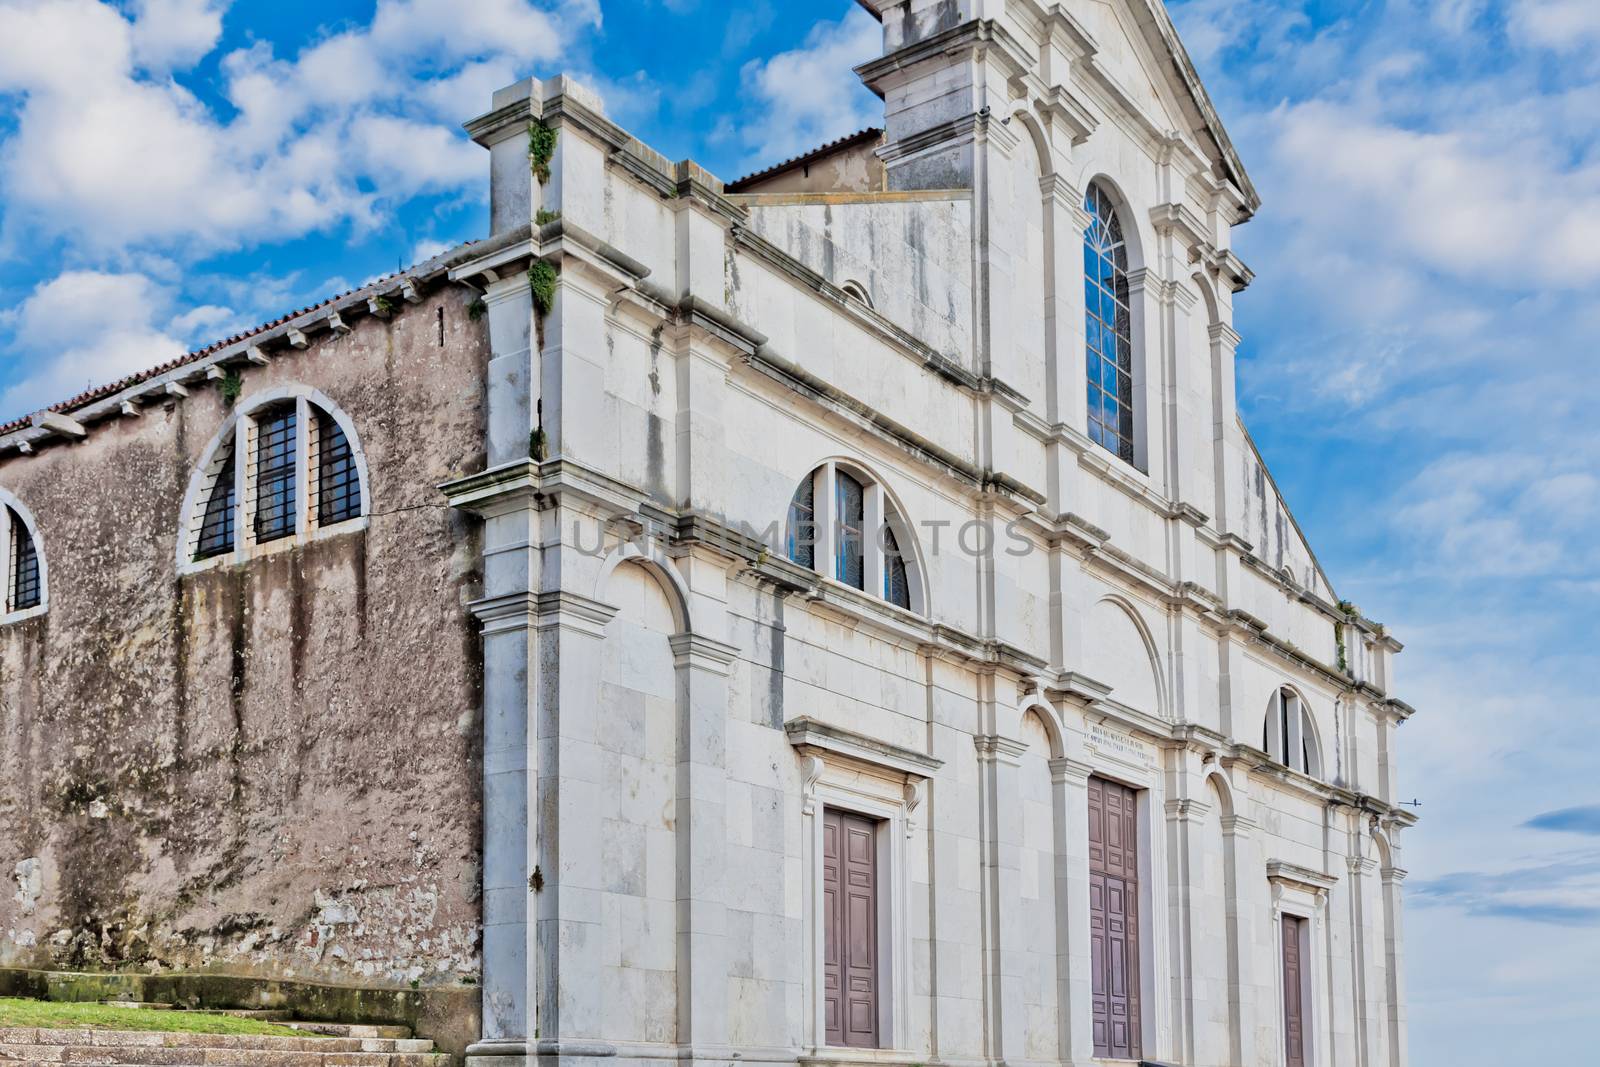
(93,1016)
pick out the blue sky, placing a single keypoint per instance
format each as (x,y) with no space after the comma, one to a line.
(1419,365)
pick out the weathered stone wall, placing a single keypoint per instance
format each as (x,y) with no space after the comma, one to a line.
(270,768)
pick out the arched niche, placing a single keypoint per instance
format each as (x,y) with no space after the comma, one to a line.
(1121,654)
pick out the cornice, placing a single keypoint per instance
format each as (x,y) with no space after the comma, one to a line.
(1280,872)
(980,38)
(811,737)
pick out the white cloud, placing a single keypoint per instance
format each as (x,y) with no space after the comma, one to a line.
(175,33)
(805,97)
(109,156)
(1559,25)
(1500,210)
(428,248)
(86,328)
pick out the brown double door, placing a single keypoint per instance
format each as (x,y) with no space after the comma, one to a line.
(850,915)
(1294,1023)
(1114,918)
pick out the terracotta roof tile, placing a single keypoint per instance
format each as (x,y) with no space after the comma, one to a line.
(871,133)
(100,392)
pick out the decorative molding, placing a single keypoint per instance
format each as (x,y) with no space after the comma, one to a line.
(992,748)
(702,653)
(820,739)
(1066,769)
(916,791)
(1186,810)
(1293,876)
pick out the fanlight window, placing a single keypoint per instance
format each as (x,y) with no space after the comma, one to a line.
(1290,735)
(842,525)
(1108,324)
(290,466)
(24,589)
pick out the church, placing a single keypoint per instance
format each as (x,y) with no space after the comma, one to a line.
(833,617)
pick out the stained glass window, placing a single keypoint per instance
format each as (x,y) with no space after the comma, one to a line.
(1108,325)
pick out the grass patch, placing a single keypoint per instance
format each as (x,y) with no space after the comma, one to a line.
(71,1016)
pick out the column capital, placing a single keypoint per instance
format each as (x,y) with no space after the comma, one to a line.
(1238,825)
(992,748)
(1180,810)
(702,653)
(1067,769)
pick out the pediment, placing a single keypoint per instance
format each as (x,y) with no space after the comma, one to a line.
(1133,49)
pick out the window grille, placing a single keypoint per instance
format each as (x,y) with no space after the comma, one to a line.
(1108,324)
(338,481)
(217,527)
(25,589)
(275,462)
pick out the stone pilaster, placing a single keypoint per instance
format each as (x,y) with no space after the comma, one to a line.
(701,833)
(1184,818)
(1077,1016)
(1005,939)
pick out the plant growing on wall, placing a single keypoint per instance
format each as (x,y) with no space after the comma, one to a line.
(541,150)
(545,218)
(542,279)
(232,387)
(476,309)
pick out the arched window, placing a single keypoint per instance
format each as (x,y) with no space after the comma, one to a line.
(1290,735)
(289,462)
(857,292)
(1108,324)
(843,525)
(22,563)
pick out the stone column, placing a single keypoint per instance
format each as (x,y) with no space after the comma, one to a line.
(570,647)
(511,972)
(514,369)
(1225,443)
(1244,909)
(1005,938)
(1077,1014)
(701,836)
(1184,816)
(1399,1048)
(1145,305)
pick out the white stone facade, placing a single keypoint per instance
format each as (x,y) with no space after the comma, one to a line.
(671,704)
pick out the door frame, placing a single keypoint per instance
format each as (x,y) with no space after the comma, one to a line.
(1307,1005)
(877,782)
(1302,894)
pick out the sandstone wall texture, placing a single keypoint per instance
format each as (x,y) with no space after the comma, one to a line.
(269,768)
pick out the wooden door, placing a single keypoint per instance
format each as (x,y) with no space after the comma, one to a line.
(1294,1026)
(1114,918)
(850,915)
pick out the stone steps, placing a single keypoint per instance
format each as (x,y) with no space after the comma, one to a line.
(281,1018)
(128,1048)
